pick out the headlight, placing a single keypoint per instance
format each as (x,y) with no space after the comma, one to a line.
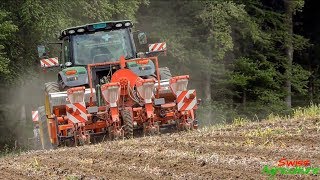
(68,64)
(81,30)
(127,24)
(118,25)
(72,31)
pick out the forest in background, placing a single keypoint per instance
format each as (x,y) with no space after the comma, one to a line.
(246,58)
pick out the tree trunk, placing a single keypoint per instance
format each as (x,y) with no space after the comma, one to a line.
(289,49)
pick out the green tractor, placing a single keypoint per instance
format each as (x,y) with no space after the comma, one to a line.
(97,91)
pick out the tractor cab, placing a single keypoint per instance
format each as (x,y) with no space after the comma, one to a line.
(97,43)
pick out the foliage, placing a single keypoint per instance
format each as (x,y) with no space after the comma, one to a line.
(239,121)
(40,21)
(240,45)
(222,19)
(311,112)
(6,30)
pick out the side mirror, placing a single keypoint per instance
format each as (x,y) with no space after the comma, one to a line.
(41,51)
(142,37)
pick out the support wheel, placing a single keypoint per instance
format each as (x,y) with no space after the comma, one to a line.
(185,126)
(84,139)
(115,134)
(151,130)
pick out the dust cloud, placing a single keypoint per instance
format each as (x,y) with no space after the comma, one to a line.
(17,102)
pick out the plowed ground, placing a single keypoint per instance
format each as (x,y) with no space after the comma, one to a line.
(228,152)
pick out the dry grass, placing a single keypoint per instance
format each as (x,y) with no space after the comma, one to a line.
(240,121)
(311,112)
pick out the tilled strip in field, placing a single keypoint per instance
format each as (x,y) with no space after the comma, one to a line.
(210,153)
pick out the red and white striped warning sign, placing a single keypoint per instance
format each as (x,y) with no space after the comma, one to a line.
(157,47)
(35,116)
(186,100)
(77,112)
(49,62)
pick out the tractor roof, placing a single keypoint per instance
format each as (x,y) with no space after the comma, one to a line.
(100,26)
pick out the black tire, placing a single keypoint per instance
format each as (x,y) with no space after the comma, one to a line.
(51,87)
(165,73)
(127,123)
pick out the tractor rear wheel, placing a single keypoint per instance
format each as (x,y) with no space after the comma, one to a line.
(44,131)
(128,123)
(165,73)
(51,87)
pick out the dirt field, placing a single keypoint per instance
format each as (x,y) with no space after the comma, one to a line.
(238,151)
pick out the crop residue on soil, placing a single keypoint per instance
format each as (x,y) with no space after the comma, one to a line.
(210,153)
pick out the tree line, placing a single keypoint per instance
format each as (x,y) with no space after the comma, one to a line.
(247,58)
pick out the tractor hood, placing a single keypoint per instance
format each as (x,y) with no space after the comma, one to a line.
(142,70)
(73,76)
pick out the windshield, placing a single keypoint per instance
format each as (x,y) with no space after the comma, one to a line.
(102,46)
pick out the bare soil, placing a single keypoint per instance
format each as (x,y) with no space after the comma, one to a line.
(228,152)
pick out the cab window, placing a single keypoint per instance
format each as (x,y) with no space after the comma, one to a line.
(66,49)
